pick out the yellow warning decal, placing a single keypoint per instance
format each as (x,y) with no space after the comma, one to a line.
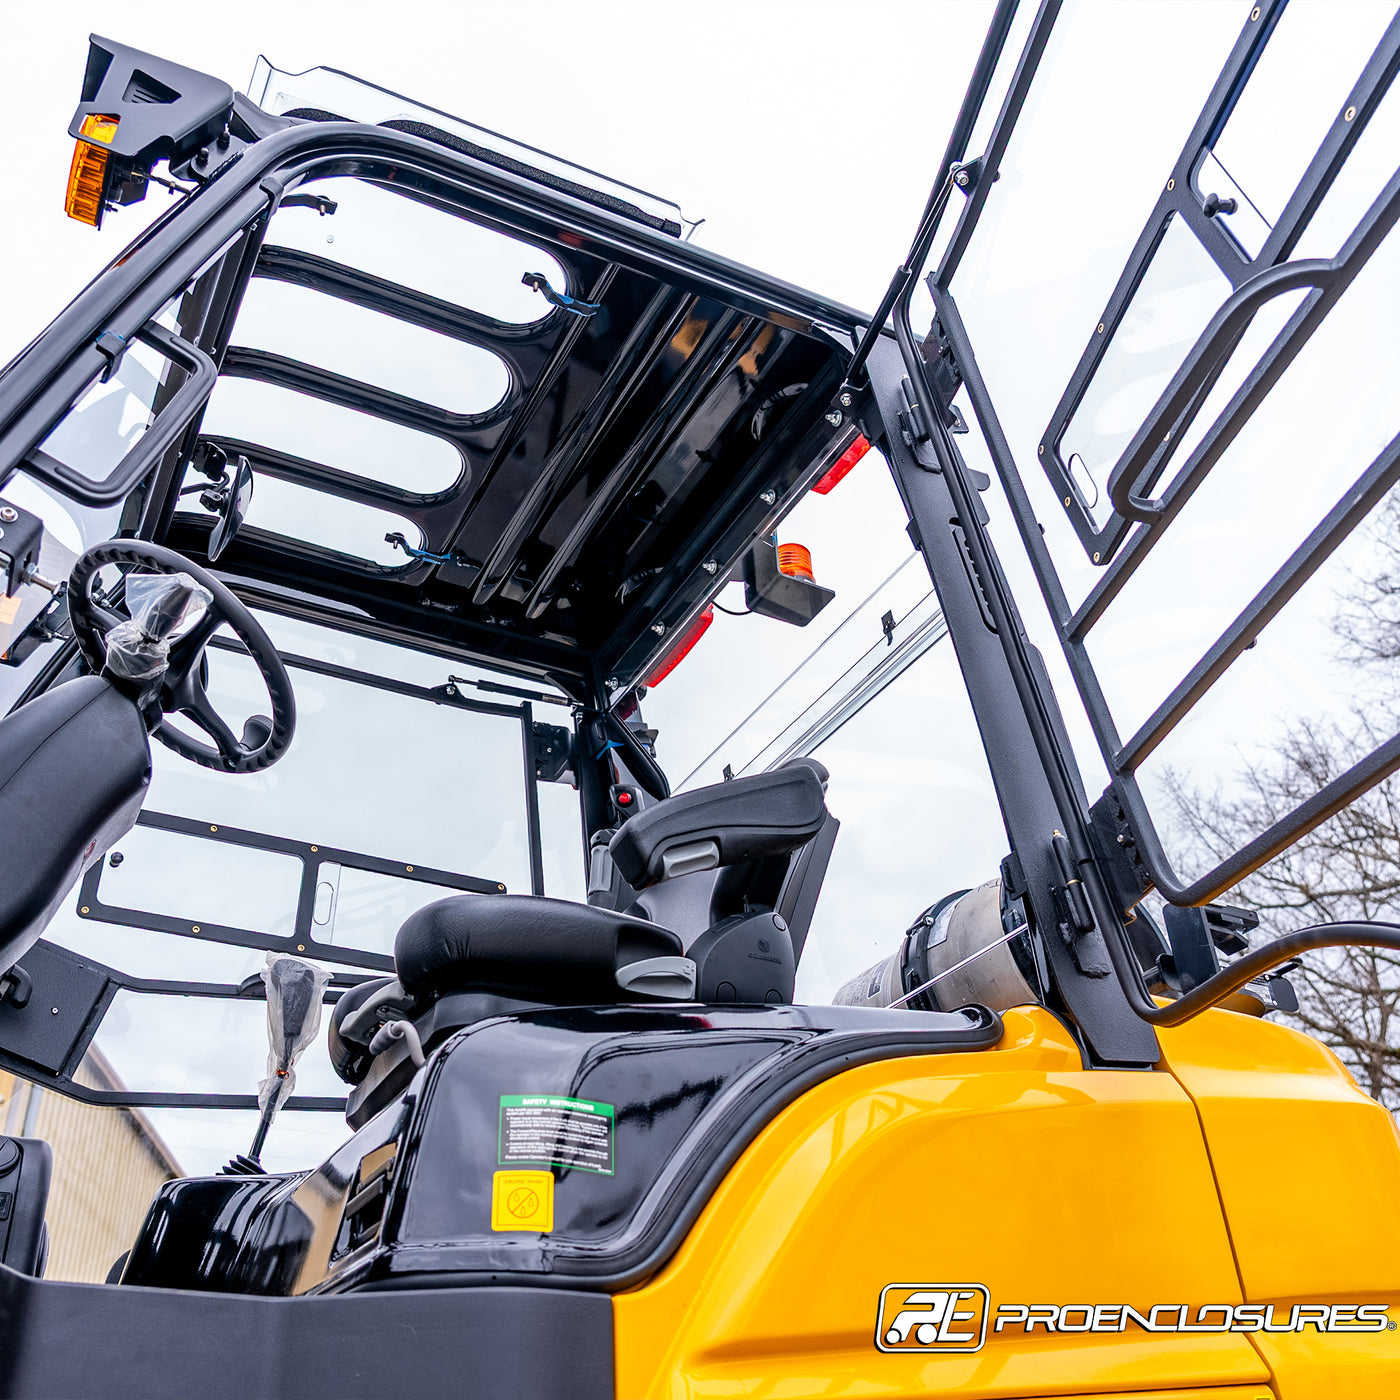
(522,1201)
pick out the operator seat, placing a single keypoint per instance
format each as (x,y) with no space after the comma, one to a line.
(462,959)
(75,763)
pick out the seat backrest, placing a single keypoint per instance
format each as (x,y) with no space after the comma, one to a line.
(747,819)
(740,866)
(75,764)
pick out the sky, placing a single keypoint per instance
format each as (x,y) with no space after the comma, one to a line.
(805,135)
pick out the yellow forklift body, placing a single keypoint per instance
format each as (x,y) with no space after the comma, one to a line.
(1041,1182)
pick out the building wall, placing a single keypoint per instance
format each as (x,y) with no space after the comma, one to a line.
(107,1163)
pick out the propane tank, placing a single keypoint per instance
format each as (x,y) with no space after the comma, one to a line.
(972,946)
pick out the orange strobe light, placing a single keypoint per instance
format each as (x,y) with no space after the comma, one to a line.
(87,176)
(795,560)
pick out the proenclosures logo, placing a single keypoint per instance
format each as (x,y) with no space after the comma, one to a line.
(938,1317)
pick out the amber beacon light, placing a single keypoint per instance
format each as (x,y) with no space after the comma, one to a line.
(87,176)
(795,560)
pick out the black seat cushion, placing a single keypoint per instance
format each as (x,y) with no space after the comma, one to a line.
(524,945)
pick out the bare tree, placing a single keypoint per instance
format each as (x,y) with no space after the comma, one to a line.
(1349,867)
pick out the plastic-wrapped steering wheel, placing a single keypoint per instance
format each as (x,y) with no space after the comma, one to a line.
(182,690)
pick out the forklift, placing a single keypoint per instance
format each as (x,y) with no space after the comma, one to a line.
(268,470)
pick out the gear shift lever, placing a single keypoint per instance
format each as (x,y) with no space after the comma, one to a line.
(294,991)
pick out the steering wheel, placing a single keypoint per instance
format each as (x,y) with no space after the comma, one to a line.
(182,687)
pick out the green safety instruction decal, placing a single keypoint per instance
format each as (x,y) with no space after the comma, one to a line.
(550,1130)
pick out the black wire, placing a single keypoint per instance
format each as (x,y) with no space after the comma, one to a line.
(731,611)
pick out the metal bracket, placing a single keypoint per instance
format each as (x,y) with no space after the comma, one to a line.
(1116,849)
(966,175)
(113,348)
(554,751)
(21,535)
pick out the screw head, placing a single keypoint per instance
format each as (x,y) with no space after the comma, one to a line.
(1349,114)
(611,682)
(659,628)
(769,497)
(710,566)
(53,1011)
(961,177)
(834,418)
(846,400)
(9,514)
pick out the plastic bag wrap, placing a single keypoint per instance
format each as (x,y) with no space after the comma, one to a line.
(294,990)
(163,608)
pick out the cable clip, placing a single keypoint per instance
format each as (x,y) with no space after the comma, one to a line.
(537,282)
(426,556)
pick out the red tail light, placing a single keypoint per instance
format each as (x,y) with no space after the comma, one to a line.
(681,650)
(842,466)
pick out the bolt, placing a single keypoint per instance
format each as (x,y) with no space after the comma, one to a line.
(611,682)
(769,497)
(834,418)
(115,859)
(203,154)
(1122,840)
(452,690)
(846,400)
(961,178)
(710,566)
(659,628)
(53,1011)
(9,514)
(223,139)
